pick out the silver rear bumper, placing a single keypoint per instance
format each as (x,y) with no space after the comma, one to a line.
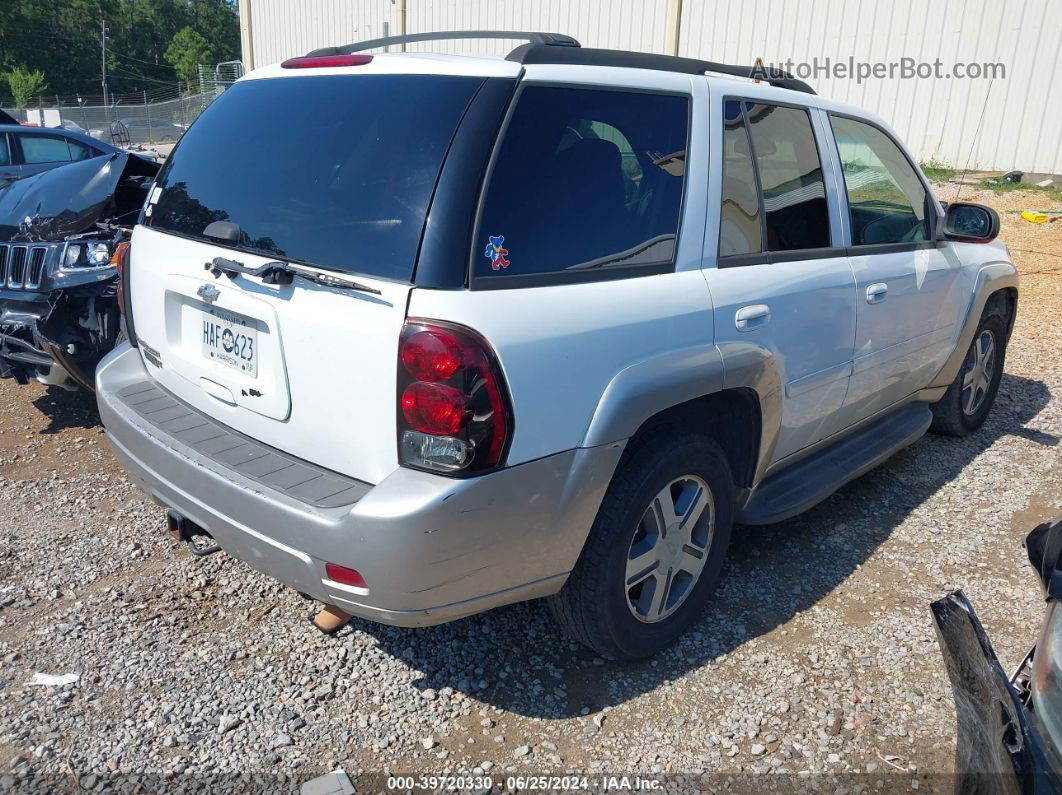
(431,549)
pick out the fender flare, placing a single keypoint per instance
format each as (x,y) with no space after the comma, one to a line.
(991,278)
(646,388)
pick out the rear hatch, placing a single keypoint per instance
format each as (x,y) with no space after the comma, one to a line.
(331,173)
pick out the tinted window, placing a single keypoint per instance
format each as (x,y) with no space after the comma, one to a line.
(794,196)
(79,151)
(886,199)
(44,149)
(739,220)
(342,183)
(5,151)
(585,178)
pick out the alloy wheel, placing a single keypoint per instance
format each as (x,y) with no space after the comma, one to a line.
(979,369)
(669,548)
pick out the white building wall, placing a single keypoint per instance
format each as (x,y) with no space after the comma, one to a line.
(1011,122)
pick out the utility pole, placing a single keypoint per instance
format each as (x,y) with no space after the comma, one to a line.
(103,60)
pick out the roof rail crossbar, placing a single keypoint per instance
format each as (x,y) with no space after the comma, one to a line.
(532,53)
(537,38)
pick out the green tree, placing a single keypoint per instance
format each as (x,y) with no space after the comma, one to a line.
(187,50)
(25,84)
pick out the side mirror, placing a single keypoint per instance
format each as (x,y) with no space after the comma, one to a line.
(1044,548)
(971,223)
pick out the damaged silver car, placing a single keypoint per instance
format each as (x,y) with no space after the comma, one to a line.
(62,237)
(1010,727)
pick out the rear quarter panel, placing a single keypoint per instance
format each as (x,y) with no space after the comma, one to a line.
(561,346)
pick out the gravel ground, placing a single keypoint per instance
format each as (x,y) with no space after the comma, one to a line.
(817,656)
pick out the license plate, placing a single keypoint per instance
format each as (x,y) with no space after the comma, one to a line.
(231,339)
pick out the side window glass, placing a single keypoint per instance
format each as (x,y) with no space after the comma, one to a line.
(584,179)
(886,199)
(787,160)
(739,221)
(44,149)
(79,151)
(5,151)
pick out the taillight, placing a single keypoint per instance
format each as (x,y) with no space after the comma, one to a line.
(325,61)
(120,260)
(454,414)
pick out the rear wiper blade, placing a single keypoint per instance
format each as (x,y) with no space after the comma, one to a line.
(277,272)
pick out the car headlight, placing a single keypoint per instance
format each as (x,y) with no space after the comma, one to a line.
(86,254)
(1046,681)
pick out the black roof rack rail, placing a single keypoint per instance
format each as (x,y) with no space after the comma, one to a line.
(558,48)
(535,38)
(539,53)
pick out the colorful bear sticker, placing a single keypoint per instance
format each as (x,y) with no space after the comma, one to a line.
(495,253)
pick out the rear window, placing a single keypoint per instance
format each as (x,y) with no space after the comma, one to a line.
(334,171)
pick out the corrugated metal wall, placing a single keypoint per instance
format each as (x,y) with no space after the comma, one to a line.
(1011,122)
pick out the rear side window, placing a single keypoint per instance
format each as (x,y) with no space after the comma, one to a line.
(48,149)
(584,179)
(5,151)
(773,194)
(739,221)
(787,160)
(334,171)
(886,199)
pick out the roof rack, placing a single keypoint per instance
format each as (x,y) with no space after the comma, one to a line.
(535,53)
(557,48)
(535,38)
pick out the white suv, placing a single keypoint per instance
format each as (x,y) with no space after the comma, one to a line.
(466,331)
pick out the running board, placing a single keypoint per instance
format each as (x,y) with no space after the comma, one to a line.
(810,481)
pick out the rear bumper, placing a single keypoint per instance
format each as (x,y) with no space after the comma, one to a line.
(431,549)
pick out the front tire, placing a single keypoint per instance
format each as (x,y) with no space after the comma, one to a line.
(968,401)
(655,552)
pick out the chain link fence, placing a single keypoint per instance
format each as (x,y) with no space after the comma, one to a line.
(156,117)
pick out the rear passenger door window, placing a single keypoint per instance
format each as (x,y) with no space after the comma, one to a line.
(44,149)
(740,222)
(886,199)
(585,181)
(773,194)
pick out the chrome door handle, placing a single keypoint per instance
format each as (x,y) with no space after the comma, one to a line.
(752,317)
(877,292)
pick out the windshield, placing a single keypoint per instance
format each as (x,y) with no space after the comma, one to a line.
(334,171)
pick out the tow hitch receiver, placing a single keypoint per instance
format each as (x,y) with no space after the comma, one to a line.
(186,530)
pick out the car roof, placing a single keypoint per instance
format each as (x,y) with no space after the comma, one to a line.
(558,55)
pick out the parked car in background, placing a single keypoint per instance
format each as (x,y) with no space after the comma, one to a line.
(71,126)
(25,151)
(1010,726)
(61,236)
(546,325)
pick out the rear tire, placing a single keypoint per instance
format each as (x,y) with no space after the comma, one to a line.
(634,590)
(968,401)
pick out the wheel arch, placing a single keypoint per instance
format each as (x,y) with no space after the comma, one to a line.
(997,287)
(738,405)
(731,417)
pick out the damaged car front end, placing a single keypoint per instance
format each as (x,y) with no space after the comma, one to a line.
(61,234)
(1009,727)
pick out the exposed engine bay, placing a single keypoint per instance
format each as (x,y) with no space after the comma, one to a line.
(60,235)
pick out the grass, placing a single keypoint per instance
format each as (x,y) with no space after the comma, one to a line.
(1052,193)
(937,171)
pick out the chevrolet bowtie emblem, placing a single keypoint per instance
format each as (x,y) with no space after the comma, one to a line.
(208,293)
